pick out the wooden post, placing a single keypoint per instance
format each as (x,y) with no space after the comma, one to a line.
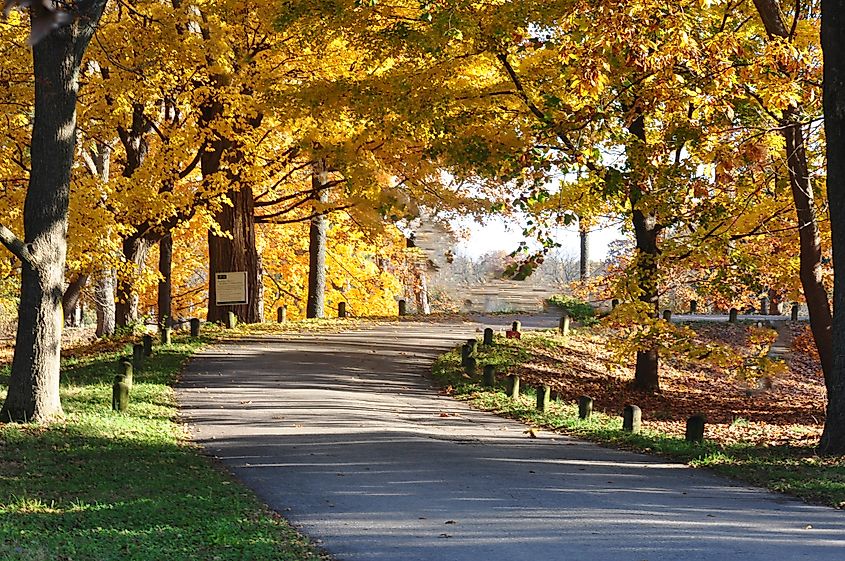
(516,326)
(632,419)
(513,386)
(471,366)
(466,354)
(695,429)
(341,309)
(585,407)
(231,320)
(403,308)
(732,315)
(543,398)
(119,394)
(488,337)
(473,345)
(693,307)
(794,313)
(282,314)
(563,326)
(195,327)
(489,379)
(614,303)
(147,341)
(764,306)
(137,356)
(667,315)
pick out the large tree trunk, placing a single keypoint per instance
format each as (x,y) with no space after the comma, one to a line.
(165,285)
(315,306)
(235,253)
(135,250)
(104,302)
(646,232)
(833,45)
(33,393)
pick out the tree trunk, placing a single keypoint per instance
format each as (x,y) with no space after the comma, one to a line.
(165,285)
(584,267)
(70,299)
(135,250)
(833,45)
(33,393)
(315,306)
(646,231)
(235,253)
(104,301)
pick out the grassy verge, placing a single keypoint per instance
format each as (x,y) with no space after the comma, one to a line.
(103,485)
(794,470)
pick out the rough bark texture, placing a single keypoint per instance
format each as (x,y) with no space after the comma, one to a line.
(104,302)
(237,253)
(646,232)
(315,306)
(833,44)
(70,299)
(165,285)
(33,393)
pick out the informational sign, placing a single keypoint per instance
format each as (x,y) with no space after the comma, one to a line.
(231,288)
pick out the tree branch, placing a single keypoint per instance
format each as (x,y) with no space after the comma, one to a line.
(16,245)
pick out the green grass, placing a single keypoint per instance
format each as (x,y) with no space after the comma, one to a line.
(127,486)
(793,470)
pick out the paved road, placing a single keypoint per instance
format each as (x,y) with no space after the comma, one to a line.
(342,434)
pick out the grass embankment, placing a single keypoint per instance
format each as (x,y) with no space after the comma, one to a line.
(104,485)
(773,452)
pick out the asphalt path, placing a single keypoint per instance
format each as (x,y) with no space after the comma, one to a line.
(343,435)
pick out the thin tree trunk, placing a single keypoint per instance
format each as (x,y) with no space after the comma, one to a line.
(104,302)
(315,306)
(165,285)
(135,250)
(646,232)
(833,45)
(70,299)
(33,391)
(584,265)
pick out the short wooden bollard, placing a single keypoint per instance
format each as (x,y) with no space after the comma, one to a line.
(695,429)
(147,341)
(614,303)
(544,397)
(488,337)
(513,386)
(732,315)
(667,315)
(489,379)
(341,309)
(138,356)
(231,320)
(166,334)
(119,394)
(585,407)
(563,326)
(195,327)
(403,308)
(693,307)
(473,345)
(632,419)
(516,326)
(281,314)
(794,313)
(764,306)
(126,372)
(471,366)
(466,354)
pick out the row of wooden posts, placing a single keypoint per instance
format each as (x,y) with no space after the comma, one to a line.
(631,415)
(127,367)
(282,311)
(732,313)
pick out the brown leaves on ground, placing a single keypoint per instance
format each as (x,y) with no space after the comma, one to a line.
(789,409)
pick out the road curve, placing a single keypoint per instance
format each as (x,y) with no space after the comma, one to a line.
(342,434)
